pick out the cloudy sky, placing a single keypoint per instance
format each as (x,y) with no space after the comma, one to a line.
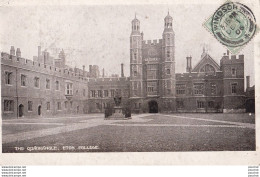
(100,34)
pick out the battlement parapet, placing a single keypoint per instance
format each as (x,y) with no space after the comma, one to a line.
(198,75)
(226,59)
(152,42)
(27,64)
(109,80)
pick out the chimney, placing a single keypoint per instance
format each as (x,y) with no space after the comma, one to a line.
(247,82)
(122,70)
(12,50)
(90,68)
(18,53)
(188,69)
(103,72)
(84,72)
(39,51)
(228,53)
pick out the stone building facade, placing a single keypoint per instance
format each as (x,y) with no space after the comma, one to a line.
(37,88)
(208,87)
(46,86)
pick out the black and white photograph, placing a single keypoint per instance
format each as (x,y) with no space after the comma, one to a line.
(87,78)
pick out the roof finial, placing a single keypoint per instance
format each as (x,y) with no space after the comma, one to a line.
(168,12)
(135,15)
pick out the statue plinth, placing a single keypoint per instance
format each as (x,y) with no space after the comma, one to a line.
(118,111)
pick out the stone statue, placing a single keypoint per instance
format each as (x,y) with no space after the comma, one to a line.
(117,100)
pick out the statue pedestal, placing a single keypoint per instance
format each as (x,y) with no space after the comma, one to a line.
(118,114)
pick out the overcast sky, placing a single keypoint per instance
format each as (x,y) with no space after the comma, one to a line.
(100,34)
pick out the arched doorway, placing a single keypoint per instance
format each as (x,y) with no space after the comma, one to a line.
(39,110)
(20,111)
(153,106)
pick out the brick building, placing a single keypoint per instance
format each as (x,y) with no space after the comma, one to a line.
(208,87)
(46,86)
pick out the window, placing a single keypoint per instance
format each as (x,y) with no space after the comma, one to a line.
(211,104)
(93,93)
(234,88)
(23,80)
(99,93)
(8,78)
(180,89)
(213,88)
(135,73)
(37,82)
(168,71)
(48,86)
(30,105)
(150,89)
(168,54)
(8,105)
(57,85)
(112,93)
(59,105)
(198,88)
(66,104)
(48,105)
(135,56)
(84,92)
(200,104)
(233,72)
(180,104)
(71,104)
(69,90)
(105,93)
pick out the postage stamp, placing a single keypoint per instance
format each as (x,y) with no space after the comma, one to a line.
(233,25)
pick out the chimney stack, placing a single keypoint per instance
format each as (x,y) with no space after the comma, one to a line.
(228,53)
(12,50)
(188,69)
(18,53)
(247,82)
(122,70)
(84,72)
(39,51)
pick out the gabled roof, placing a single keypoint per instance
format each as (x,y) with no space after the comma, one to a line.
(206,59)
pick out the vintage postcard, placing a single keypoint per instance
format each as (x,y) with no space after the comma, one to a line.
(120,80)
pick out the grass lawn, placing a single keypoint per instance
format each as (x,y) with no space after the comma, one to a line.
(146,138)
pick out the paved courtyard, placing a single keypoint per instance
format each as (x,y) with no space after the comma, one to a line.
(144,132)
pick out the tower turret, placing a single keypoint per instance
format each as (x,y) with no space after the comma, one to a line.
(168,23)
(168,59)
(135,26)
(136,68)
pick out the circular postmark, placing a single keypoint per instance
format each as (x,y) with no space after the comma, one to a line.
(233,24)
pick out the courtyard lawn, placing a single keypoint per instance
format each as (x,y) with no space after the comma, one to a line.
(155,132)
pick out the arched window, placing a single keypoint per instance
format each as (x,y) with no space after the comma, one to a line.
(168,71)
(208,69)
